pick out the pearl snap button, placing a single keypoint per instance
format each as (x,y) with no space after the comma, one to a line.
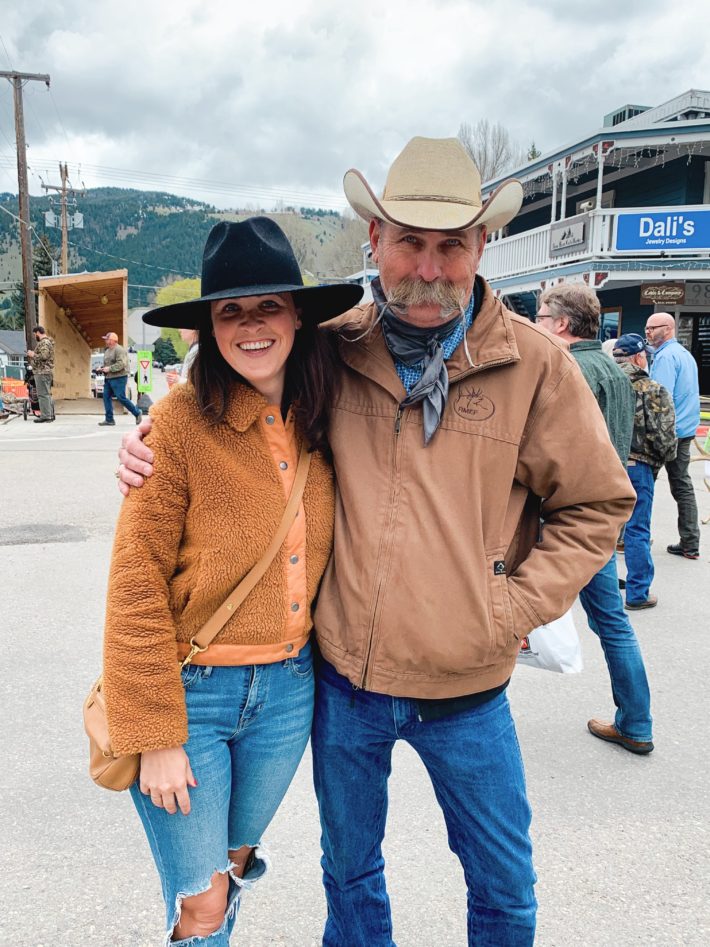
(289,648)
(295,607)
(293,560)
(270,419)
(283,465)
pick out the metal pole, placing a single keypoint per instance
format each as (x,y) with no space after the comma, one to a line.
(64,174)
(25,224)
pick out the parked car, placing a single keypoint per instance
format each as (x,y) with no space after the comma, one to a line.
(157,364)
(97,384)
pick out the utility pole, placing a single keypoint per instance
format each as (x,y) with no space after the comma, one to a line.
(64,175)
(18,79)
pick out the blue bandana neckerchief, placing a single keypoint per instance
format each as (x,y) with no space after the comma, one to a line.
(419,355)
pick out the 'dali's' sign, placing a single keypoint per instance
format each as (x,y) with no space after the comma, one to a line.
(663,232)
(654,293)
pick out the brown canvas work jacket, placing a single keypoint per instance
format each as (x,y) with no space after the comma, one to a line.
(438,570)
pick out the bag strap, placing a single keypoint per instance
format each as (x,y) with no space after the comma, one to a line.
(214,625)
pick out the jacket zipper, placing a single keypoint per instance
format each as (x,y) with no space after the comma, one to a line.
(368,652)
(397,429)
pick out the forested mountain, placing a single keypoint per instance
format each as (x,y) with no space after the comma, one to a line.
(159,237)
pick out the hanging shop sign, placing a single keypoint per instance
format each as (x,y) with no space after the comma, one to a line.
(569,236)
(663,232)
(664,293)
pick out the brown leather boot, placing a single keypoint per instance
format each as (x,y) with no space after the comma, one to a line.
(608,732)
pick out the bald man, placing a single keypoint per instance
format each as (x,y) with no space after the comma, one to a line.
(675,368)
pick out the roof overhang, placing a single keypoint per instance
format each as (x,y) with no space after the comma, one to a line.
(94,302)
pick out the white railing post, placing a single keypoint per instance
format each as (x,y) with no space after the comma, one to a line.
(563,207)
(553,213)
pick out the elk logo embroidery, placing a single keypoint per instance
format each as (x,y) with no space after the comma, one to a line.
(473,405)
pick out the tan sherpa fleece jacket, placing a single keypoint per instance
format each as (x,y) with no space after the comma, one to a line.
(183,541)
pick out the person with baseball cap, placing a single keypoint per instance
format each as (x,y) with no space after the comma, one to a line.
(454,428)
(653,444)
(115,369)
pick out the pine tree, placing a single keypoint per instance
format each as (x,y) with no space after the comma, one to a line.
(164,351)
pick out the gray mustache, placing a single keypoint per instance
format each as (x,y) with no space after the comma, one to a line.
(410,292)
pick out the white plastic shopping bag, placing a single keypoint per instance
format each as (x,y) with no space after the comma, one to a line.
(553,647)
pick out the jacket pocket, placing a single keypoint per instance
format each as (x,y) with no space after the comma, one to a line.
(182,587)
(500,611)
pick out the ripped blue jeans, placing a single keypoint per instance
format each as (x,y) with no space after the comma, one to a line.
(248,728)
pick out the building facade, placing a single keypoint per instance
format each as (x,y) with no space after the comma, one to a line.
(625,210)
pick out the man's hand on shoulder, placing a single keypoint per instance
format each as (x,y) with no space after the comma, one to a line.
(135,458)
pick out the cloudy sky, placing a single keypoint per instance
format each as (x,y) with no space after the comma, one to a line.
(247,102)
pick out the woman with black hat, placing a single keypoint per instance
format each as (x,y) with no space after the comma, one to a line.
(221,737)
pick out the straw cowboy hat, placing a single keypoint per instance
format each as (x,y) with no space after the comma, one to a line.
(434,185)
(253,258)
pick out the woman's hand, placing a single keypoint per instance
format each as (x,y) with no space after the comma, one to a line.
(165,776)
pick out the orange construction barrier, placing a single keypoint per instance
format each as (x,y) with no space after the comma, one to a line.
(14,386)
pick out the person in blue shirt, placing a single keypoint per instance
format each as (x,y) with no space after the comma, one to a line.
(676,369)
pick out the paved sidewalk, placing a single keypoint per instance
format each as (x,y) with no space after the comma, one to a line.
(621,841)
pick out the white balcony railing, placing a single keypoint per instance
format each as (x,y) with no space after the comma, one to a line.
(531,251)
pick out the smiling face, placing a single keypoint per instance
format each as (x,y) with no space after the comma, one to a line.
(254,335)
(435,268)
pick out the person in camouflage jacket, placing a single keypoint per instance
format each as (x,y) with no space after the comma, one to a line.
(653,443)
(42,361)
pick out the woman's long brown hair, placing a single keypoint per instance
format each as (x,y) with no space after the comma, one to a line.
(311,378)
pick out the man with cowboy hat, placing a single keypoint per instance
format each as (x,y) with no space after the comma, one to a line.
(454,431)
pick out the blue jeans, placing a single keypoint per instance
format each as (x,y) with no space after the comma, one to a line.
(474,762)
(248,728)
(601,601)
(116,388)
(637,541)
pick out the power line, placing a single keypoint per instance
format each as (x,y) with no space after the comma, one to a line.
(112,256)
(274,193)
(202,182)
(59,119)
(33,112)
(30,227)
(6,52)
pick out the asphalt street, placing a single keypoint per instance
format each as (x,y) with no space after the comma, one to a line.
(621,842)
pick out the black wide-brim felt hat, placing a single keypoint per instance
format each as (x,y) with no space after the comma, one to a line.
(253,258)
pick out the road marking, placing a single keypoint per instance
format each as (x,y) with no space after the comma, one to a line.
(51,437)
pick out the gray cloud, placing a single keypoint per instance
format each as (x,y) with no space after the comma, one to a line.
(278,97)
